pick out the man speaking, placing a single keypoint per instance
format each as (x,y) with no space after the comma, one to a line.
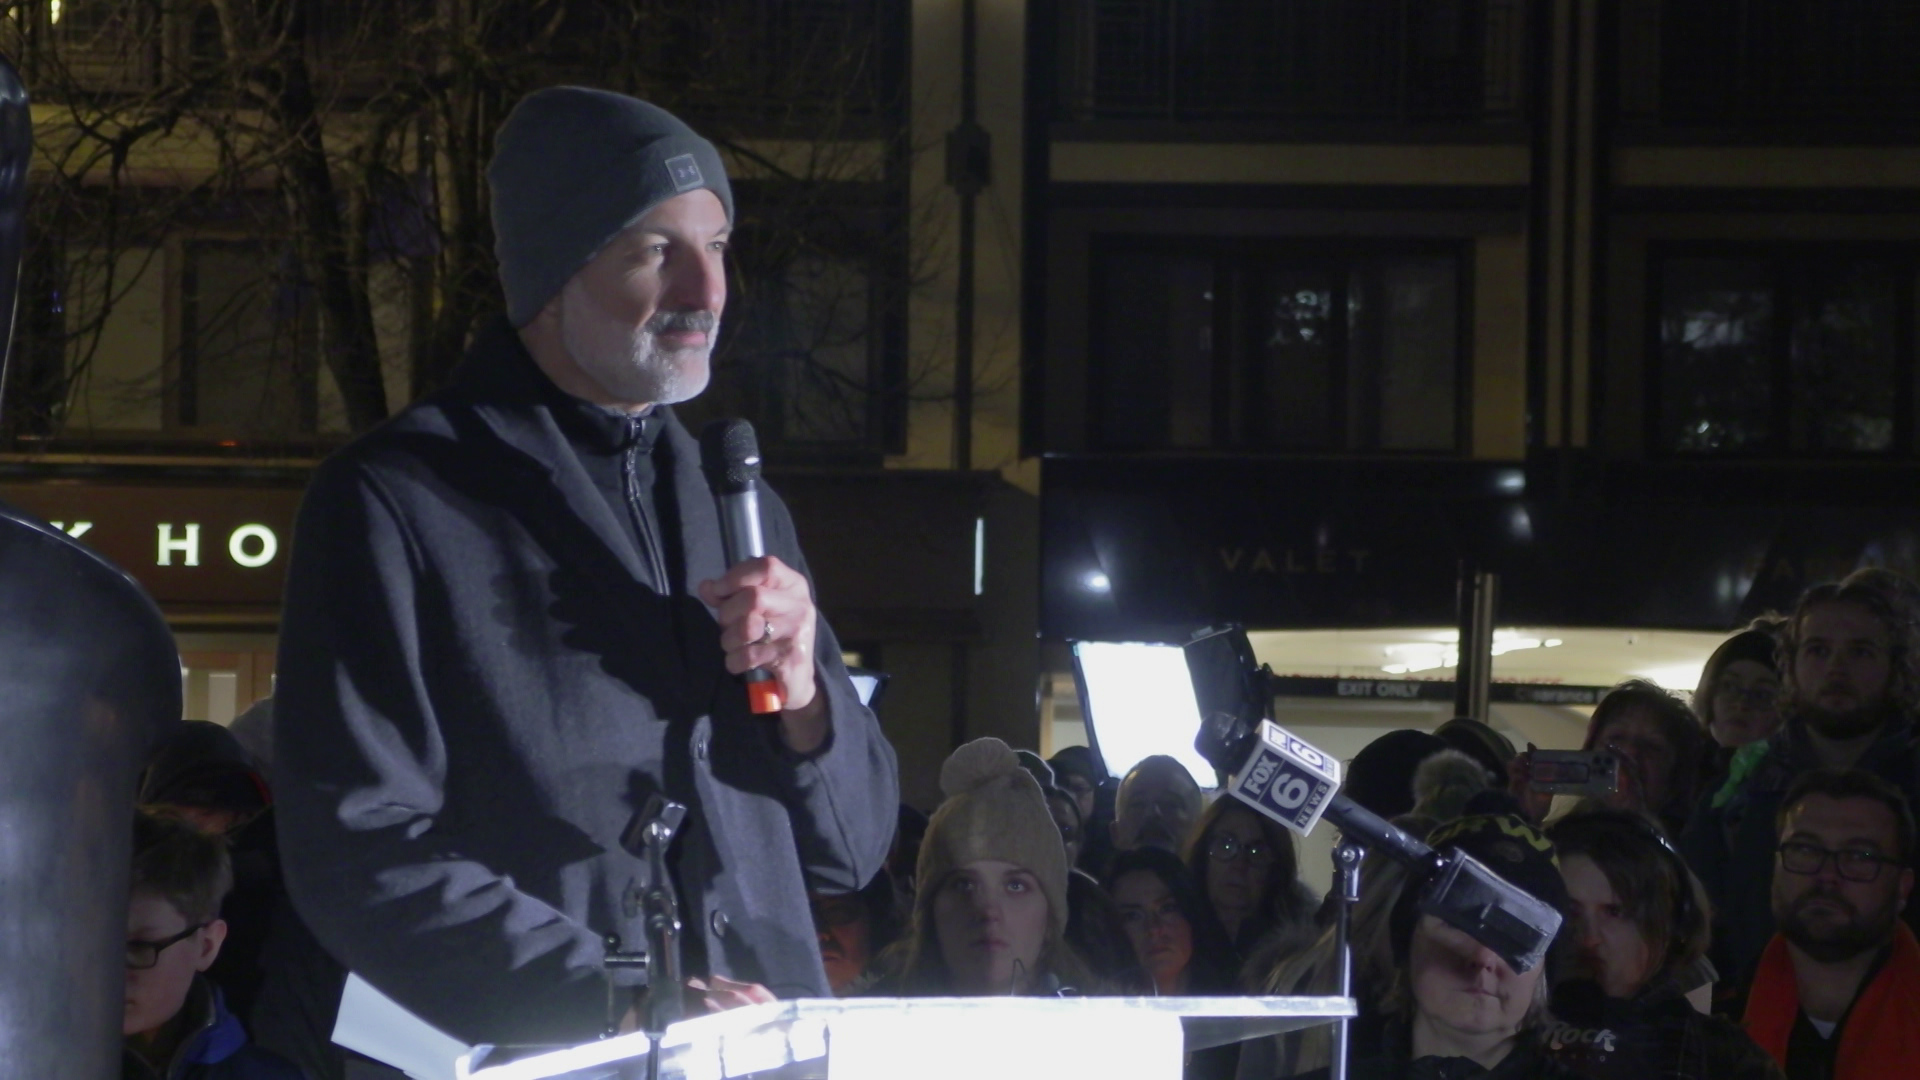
(510,621)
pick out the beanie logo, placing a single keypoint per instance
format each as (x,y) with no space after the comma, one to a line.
(685,173)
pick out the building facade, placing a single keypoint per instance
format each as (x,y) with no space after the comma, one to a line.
(1061,319)
(1323,298)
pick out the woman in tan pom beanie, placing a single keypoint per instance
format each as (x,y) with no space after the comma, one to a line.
(990,913)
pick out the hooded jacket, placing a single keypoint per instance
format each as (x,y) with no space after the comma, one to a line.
(493,653)
(215,1047)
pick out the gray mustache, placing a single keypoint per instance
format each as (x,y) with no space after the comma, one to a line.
(673,322)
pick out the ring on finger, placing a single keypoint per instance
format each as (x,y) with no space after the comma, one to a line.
(766,637)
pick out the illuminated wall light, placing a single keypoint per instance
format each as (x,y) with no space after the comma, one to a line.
(1421,656)
(979,556)
(1502,648)
(1096,581)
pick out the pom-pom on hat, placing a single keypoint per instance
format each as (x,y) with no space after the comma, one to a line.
(994,810)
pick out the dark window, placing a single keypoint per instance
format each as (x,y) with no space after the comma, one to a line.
(1766,64)
(1782,352)
(805,363)
(1366,62)
(246,363)
(100,44)
(812,349)
(1275,350)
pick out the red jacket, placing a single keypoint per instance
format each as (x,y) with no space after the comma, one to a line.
(1882,1034)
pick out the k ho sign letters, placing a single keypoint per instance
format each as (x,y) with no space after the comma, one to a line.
(194,549)
(1287,778)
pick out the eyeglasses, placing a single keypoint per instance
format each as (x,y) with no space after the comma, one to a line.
(1854,864)
(142,955)
(1166,913)
(1229,848)
(1761,694)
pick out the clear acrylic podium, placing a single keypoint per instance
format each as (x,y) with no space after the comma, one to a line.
(997,1038)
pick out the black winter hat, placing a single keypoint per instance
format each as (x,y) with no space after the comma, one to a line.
(1381,776)
(1080,761)
(1754,645)
(202,765)
(571,168)
(1479,742)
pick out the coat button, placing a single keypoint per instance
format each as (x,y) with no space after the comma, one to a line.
(718,921)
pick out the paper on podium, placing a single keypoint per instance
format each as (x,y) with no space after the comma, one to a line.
(374,1024)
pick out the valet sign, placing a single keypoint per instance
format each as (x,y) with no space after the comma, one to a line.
(199,546)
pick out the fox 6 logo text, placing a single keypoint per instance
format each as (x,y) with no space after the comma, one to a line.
(1285,789)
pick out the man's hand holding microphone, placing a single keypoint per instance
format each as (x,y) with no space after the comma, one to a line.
(764,607)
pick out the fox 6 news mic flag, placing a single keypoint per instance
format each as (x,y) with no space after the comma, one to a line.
(1296,785)
(1286,779)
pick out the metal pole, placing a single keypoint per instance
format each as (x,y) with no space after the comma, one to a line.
(1473,674)
(1486,587)
(1346,863)
(1463,608)
(964,154)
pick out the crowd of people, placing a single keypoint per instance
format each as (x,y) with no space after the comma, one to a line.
(1739,906)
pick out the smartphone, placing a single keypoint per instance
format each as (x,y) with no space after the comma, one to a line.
(1575,772)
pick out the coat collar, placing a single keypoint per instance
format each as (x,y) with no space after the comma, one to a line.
(209,1034)
(543,429)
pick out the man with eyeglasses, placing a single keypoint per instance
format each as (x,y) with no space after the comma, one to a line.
(1837,992)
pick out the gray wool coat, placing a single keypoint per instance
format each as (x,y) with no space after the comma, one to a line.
(482,676)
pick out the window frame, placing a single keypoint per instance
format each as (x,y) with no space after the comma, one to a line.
(180,361)
(860,224)
(1236,262)
(1776,259)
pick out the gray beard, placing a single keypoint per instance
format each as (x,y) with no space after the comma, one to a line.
(627,362)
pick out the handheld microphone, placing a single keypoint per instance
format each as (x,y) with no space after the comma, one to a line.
(1296,785)
(730,456)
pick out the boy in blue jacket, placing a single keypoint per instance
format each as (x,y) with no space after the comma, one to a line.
(176,1026)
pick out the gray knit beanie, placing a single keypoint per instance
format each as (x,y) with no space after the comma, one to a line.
(571,168)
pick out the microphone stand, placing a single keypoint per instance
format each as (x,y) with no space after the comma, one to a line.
(648,836)
(1346,864)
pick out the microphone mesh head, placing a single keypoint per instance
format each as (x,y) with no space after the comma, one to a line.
(730,456)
